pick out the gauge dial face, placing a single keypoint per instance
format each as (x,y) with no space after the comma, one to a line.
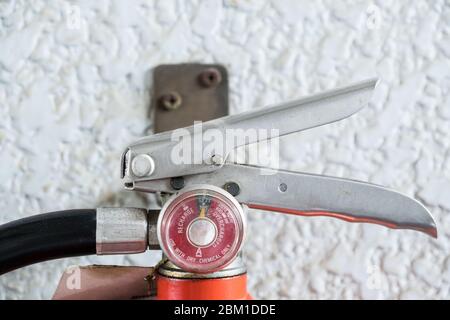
(201,229)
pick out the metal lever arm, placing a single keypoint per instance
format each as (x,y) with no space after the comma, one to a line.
(284,191)
(294,116)
(314,195)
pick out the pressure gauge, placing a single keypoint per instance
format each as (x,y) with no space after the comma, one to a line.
(201,228)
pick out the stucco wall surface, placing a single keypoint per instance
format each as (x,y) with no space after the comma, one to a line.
(75,81)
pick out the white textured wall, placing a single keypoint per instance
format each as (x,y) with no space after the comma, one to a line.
(72,95)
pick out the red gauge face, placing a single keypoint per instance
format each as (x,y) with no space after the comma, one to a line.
(201,229)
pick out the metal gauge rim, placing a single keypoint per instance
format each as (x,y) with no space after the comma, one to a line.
(237,210)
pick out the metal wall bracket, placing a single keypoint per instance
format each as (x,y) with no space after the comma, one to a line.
(188,92)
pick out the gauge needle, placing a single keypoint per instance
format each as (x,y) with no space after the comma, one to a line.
(202,212)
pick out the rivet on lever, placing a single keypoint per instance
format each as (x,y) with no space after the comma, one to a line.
(142,165)
(282,187)
(177,183)
(217,160)
(233,188)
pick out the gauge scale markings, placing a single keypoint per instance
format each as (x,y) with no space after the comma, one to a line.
(218,217)
(202,230)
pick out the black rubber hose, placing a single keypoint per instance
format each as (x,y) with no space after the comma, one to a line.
(47,236)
